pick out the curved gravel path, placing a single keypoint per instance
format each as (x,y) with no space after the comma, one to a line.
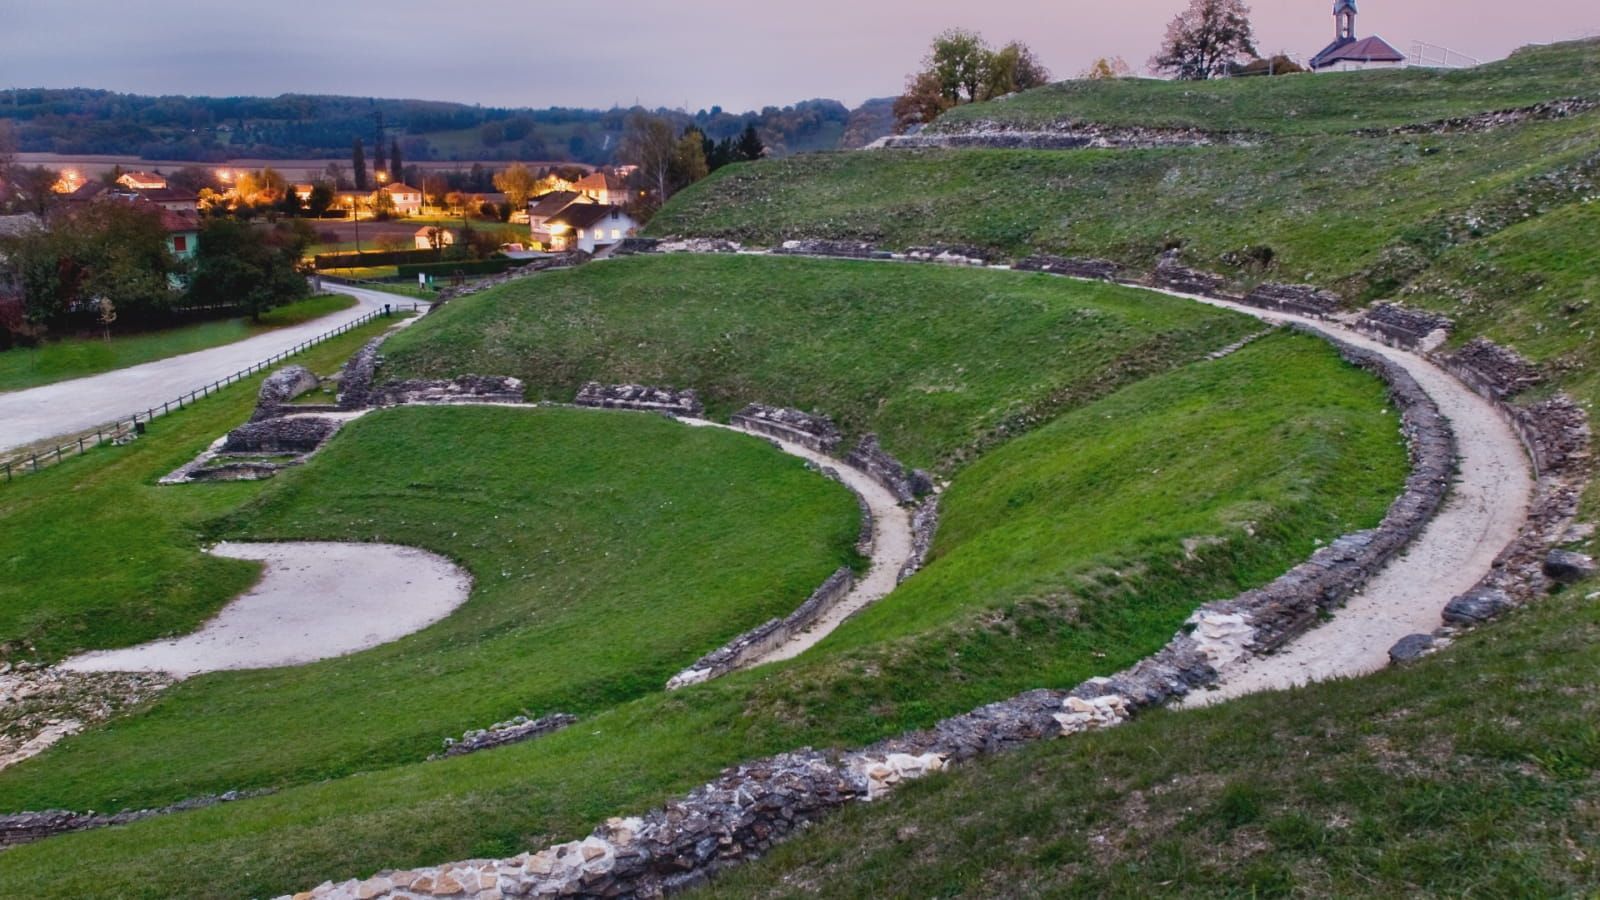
(1482,514)
(71,407)
(891,547)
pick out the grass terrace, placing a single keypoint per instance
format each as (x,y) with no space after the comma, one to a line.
(1064,556)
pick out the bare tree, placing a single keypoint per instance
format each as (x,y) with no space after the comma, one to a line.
(1205,40)
(651,145)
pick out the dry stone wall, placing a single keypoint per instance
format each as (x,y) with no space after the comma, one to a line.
(1103,269)
(299,434)
(641,397)
(1408,328)
(905,484)
(512,731)
(461,389)
(816,433)
(1302,299)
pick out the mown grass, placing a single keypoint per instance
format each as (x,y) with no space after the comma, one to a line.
(1471,774)
(26,367)
(1081,600)
(1302,104)
(94,555)
(939,362)
(608,551)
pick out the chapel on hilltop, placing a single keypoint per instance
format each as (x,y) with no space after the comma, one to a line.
(1349,52)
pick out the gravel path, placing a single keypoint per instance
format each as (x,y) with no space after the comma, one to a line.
(70,407)
(1486,507)
(315,600)
(891,548)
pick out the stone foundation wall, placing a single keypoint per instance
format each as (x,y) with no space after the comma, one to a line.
(844,249)
(1174,276)
(905,484)
(355,379)
(924,522)
(300,434)
(1103,269)
(513,731)
(1294,298)
(462,389)
(641,397)
(1063,136)
(1492,371)
(768,635)
(1402,327)
(950,254)
(817,433)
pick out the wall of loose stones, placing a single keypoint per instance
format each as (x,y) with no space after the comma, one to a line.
(741,814)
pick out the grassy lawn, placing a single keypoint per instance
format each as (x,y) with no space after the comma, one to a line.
(939,362)
(76,357)
(999,610)
(93,554)
(1305,103)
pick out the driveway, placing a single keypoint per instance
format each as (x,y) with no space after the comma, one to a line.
(71,407)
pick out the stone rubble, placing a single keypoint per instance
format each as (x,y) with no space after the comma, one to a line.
(280,387)
(816,433)
(948,254)
(1492,371)
(1490,121)
(844,249)
(1065,135)
(512,731)
(905,484)
(924,522)
(1408,328)
(685,403)
(1302,299)
(1103,269)
(1174,276)
(461,389)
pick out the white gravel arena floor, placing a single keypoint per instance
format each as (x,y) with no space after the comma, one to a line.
(314,601)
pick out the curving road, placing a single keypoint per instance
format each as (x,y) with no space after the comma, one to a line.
(71,407)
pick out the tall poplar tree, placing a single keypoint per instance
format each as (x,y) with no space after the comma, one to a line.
(398,169)
(358,165)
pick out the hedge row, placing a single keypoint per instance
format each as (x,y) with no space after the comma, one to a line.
(491,266)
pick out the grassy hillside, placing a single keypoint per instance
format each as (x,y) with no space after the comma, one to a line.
(1000,609)
(938,362)
(1304,104)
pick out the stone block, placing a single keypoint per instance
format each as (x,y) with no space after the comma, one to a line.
(1477,605)
(1568,567)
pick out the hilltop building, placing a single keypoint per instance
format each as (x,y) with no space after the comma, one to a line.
(590,227)
(1349,52)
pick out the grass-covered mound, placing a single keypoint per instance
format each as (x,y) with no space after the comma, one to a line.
(1470,774)
(1130,525)
(25,367)
(939,362)
(1301,104)
(1362,215)
(608,551)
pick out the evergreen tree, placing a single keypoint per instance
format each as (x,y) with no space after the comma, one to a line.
(750,146)
(377,160)
(398,168)
(358,165)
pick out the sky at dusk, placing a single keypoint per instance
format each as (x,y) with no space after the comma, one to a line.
(739,54)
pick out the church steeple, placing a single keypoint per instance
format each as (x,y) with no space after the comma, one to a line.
(1344,20)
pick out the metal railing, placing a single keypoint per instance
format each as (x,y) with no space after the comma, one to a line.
(124,429)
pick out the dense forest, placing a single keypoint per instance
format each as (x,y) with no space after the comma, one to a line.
(296,126)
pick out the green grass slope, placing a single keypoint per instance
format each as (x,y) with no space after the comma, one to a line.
(938,362)
(1303,104)
(1104,578)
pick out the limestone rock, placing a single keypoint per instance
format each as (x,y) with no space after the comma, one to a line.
(1410,647)
(1568,567)
(1478,605)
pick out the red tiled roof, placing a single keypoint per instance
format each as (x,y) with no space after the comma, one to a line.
(1367,49)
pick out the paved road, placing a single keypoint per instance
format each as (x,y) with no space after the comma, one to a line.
(70,407)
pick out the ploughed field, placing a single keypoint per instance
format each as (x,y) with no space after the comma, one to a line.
(1104,478)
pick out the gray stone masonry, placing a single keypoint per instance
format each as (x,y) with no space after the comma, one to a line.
(1103,269)
(906,485)
(950,254)
(1401,326)
(1303,299)
(1068,135)
(846,249)
(301,434)
(461,389)
(25,828)
(1493,371)
(1568,566)
(513,731)
(355,380)
(1174,276)
(641,397)
(924,522)
(813,432)
(1491,121)
(279,388)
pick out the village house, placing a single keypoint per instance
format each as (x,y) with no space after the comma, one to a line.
(405,200)
(543,208)
(431,237)
(590,227)
(142,181)
(603,187)
(1347,52)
